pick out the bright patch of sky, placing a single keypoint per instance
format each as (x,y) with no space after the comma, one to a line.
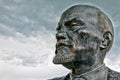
(27,37)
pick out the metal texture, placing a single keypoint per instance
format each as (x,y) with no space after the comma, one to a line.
(84,35)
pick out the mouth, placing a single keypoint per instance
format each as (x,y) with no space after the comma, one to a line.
(63,52)
(61,44)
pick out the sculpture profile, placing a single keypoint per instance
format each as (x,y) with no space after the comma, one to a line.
(84,36)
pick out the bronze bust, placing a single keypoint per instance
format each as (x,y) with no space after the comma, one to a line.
(84,36)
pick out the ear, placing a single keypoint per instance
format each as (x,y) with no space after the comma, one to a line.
(107,41)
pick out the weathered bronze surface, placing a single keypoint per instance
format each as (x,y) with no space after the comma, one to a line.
(84,36)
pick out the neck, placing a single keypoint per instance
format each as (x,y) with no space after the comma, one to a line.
(99,70)
(83,69)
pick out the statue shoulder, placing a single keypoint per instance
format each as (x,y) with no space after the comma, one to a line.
(113,75)
(58,78)
(62,78)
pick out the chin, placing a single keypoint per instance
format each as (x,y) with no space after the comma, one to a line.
(69,65)
(62,59)
(63,56)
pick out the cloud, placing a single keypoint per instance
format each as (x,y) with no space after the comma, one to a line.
(26,18)
(113,64)
(27,57)
(27,41)
(32,50)
(41,72)
(7,31)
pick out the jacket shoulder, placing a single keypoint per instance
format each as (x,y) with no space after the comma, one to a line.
(113,75)
(59,78)
(67,77)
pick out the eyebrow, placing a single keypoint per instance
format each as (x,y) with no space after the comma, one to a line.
(75,20)
(69,22)
(80,28)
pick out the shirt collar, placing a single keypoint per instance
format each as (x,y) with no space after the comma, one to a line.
(99,73)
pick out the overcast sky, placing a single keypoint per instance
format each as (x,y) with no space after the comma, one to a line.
(27,37)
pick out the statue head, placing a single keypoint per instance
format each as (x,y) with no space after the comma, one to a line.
(84,36)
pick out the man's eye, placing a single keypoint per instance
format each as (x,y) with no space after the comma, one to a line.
(81,23)
(74,24)
(74,27)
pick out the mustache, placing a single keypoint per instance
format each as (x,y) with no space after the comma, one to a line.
(61,44)
(64,43)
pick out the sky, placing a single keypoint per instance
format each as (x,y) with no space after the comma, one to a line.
(27,37)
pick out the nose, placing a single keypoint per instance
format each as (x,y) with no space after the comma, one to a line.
(61,35)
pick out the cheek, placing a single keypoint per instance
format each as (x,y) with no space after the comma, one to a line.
(93,43)
(93,47)
(78,42)
(89,46)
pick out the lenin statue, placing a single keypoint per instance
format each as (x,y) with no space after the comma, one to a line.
(84,36)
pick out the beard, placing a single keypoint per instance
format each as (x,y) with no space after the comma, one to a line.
(77,55)
(63,55)
(72,59)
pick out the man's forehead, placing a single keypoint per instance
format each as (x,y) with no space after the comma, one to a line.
(85,16)
(71,18)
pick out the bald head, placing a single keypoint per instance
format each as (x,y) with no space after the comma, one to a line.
(84,35)
(92,16)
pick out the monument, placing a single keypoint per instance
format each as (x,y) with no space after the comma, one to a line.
(84,35)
